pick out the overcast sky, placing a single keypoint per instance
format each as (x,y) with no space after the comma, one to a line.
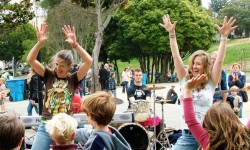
(205,3)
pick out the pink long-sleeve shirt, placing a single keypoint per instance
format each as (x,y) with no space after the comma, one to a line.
(199,133)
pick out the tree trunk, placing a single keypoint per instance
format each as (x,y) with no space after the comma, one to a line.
(95,55)
(154,65)
(165,64)
(95,67)
(162,65)
(117,71)
(148,68)
(99,38)
(247,32)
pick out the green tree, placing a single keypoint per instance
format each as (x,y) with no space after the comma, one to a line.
(61,14)
(136,32)
(12,43)
(240,9)
(217,5)
(14,14)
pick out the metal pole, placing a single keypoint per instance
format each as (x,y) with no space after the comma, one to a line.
(155,140)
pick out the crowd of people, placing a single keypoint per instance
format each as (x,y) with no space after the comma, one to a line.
(207,120)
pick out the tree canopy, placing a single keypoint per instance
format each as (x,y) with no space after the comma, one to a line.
(240,9)
(136,32)
(217,5)
(14,14)
(11,42)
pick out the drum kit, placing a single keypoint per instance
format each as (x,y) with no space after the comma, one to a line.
(135,133)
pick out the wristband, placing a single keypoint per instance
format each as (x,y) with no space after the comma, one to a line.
(223,39)
(75,45)
(172,36)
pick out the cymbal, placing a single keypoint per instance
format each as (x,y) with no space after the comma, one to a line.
(140,100)
(118,101)
(163,101)
(154,88)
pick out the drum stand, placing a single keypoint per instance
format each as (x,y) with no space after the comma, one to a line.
(164,144)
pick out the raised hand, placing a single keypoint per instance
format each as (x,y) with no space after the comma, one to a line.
(70,35)
(227,26)
(41,34)
(191,83)
(170,27)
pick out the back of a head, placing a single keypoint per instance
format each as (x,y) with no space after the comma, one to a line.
(225,129)
(61,128)
(100,106)
(234,88)
(11,131)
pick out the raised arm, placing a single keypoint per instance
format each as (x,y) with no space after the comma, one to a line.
(31,58)
(87,59)
(194,126)
(224,31)
(170,27)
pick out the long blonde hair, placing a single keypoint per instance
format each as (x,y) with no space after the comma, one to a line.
(206,63)
(225,129)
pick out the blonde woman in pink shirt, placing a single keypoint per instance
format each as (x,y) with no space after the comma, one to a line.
(221,128)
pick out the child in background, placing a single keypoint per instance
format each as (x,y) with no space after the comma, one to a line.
(221,128)
(12,132)
(62,129)
(112,84)
(3,93)
(237,100)
(100,108)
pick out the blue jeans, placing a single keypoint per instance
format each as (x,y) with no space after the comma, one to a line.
(240,113)
(125,87)
(30,107)
(186,142)
(113,92)
(42,140)
(82,85)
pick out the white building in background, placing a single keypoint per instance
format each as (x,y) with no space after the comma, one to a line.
(40,14)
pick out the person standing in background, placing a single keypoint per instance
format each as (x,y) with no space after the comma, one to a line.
(222,85)
(32,81)
(106,66)
(103,77)
(2,93)
(89,80)
(125,79)
(112,84)
(237,78)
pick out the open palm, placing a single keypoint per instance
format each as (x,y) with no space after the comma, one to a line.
(70,34)
(227,26)
(170,27)
(41,34)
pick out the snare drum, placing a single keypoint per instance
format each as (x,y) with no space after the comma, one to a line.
(142,110)
(135,135)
